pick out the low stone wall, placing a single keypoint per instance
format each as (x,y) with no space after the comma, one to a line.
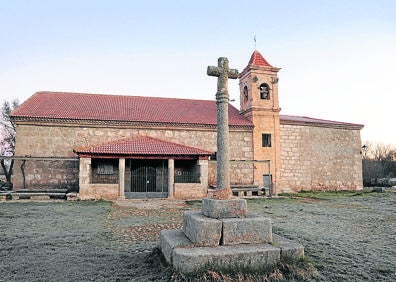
(45,174)
(98,191)
(241,173)
(189,191)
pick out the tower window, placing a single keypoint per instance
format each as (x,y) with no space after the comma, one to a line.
(264,91)
(245,94)
(266,139)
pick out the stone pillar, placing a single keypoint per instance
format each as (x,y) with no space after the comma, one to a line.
(223,72)
(223,159)
(85,171)
(171,178)
(121,179)
(85,178)
(204,169)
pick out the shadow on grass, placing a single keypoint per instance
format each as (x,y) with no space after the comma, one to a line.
(324,195)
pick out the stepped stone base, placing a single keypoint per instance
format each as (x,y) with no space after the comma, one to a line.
(224,235)
(184,256)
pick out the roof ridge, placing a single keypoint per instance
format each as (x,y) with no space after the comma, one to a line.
(106,107)
(318,120)
(159,143)
(117,95)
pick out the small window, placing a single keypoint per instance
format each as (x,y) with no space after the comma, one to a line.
(245,94)
(105,168)
(264,91)
(213,157)
(266,140)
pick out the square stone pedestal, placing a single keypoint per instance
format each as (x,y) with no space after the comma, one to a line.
(233,208)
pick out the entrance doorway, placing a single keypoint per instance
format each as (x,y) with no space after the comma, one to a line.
(267,180)
(149,179)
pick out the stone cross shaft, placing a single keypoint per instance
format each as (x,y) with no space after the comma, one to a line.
(223,72)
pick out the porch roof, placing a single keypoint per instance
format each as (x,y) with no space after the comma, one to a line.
(143,146)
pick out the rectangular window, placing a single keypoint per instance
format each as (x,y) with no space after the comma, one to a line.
(104,171)
(266,140)
(187,171)
(105,168)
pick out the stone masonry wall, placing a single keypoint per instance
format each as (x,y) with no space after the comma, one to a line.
(46,174)
(53,140)
(319,158)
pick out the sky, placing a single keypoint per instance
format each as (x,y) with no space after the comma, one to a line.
(337,57)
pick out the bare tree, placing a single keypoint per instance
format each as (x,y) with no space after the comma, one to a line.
(7,138)
(378,162)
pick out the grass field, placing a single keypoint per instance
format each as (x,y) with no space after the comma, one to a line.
(347,236)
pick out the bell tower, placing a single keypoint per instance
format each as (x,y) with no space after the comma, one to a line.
(259,102)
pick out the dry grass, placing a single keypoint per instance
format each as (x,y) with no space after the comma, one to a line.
(301,270)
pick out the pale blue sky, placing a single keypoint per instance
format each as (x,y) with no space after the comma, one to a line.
(338,58)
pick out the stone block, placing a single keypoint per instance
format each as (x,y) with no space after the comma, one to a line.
(40,197)
(232,208)
(288,248)
(4,197)
(202,230)
(250,230)
(170,239)
(254,256)
(379,189)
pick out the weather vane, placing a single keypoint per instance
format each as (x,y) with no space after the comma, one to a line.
(255,47)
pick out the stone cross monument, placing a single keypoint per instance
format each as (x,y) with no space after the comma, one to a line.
(223,72)
(223,234)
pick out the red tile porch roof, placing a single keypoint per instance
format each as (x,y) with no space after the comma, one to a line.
(78,106)
(141,146)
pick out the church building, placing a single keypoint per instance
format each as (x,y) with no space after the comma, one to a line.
(115,147)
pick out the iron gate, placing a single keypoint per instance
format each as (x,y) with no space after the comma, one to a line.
(149,181)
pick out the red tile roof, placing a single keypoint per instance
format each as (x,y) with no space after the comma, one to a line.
(258,60)
(314,121)
(78,106)
(146,146)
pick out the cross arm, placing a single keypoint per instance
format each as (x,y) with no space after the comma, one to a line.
(213,71)
(233,73)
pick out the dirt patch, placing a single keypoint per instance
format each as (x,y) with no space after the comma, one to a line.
(348,238)
(141,221)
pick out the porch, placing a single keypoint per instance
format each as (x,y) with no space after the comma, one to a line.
(143,167)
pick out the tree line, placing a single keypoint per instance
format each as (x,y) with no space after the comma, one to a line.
(379,164)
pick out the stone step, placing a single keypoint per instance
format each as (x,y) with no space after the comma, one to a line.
(37,195)
(252,229)
(184,256)
(202,230)
(253,256)
(206,231)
